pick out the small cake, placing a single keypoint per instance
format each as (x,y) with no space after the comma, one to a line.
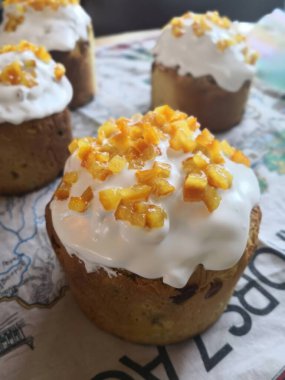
(65,29)
(267,37)
(203,66)
(34,120)
(154,222)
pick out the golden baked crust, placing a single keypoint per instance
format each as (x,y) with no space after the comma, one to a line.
(79,64)
(215,108)
(33,153)
(149,311)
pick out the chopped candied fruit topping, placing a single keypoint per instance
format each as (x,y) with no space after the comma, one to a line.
(141,214)
(17,74)
(222,22)
(240,158)
(39,51)
(156,178)
(219,177)
(81,204)
(24,72)
(64,188)
(196,180)
(59,71)
(13,21)
(203,23)
(39,5)
(131,143)
(211,198)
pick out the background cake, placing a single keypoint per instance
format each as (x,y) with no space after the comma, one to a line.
(204,67)
(65,29)
(34,120)
(154,222)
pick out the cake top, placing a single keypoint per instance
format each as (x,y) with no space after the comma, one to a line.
(148,182)
(39,5)
(58,24)
(32,85)
(207,44)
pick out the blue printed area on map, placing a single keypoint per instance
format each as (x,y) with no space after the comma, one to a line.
(29,269)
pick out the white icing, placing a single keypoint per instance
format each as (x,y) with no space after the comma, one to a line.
(19,103)
(200,56)
(190,235)
(55,29)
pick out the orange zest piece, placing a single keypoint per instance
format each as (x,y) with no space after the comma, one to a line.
(219,177)
(81,204)
(63,190)
(141,214)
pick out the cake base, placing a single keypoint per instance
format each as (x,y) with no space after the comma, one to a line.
(80,64)
(33,153)
(148,311)
(214,107)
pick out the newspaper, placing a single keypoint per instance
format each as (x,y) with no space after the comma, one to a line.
(44,335)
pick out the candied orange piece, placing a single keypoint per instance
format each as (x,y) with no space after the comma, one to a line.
(106,130)
(219,177)
(159,170)
(59,71)
(205,138)
(252,58)
(239,157)
(98,171)
(197,181)
(227,148)
(162,169)
(200,27)
(84,148)
(178,115)
(77,204)
(176,21)
(136,193)
(165,111)
(121,141)
(151,135)
(200,160)
(127,213)
(140,207)
(193,195)
(12,73)
(222,45)
(62,192)
(193,123)
(161,187)
(13,22)
(179,125)
(177,31)
(215,152)
(182,141)
(70,178)
(110,198)
(145,176)
(117,164)
(155,217)
(189,165)
(42,54)
(136,132)
(102,157)
(211,198)
(80,204)
(240,38)
(87,195)
(73,146)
